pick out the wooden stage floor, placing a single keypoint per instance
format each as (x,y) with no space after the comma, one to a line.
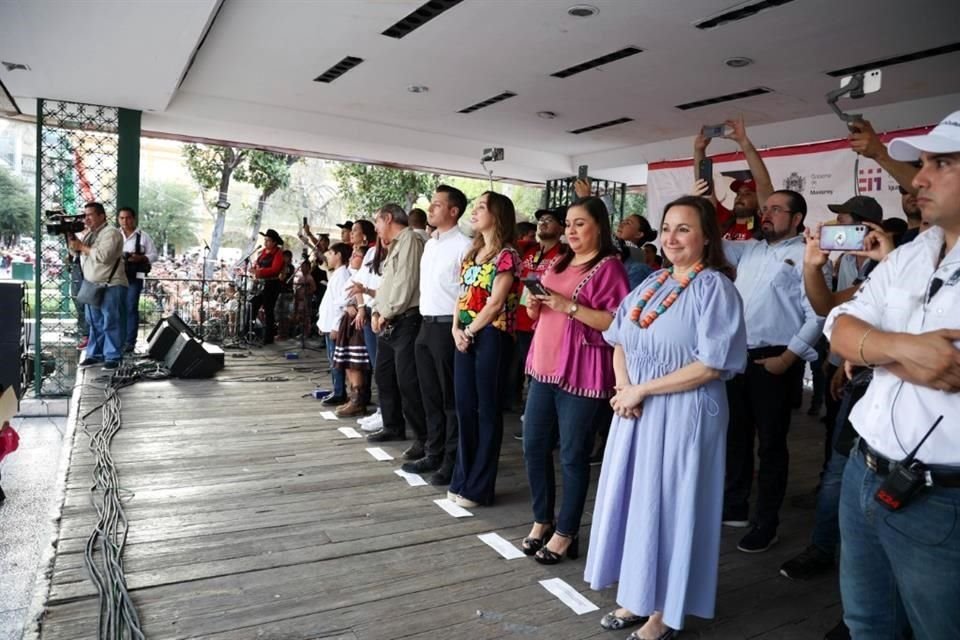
(251,516)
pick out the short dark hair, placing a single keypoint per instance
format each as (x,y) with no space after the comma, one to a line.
(96,206)
(797,204)
(524,227)
(343,249)
(396,213)
(129,210)
(455,196)
(417,218)
(287,253)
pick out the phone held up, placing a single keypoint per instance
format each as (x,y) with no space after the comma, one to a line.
(843,237)
(705,172)
(715,130)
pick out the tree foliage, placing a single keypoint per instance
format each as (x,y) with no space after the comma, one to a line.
(166,213)
(365,188)
(268,172)
(16,208)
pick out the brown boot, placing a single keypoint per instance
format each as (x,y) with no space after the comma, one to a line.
(354,408)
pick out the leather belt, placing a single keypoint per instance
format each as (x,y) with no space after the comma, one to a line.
(438,319)
(881,465)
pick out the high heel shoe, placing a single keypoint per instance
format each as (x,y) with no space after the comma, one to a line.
(531,545)
(546,556)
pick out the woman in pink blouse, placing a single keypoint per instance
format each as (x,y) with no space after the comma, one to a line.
(571,371)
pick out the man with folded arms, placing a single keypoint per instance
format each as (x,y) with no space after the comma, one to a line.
(898,515)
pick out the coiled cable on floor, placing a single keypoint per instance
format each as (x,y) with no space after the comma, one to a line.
(103,554)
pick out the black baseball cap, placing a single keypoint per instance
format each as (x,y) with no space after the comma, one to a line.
(860,207)
(559,214)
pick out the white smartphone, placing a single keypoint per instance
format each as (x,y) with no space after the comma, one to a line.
(871,81)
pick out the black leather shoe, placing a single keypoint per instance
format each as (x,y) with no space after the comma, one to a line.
(442,477)
(334,401)
(414,451)
(384,436)
(423,465)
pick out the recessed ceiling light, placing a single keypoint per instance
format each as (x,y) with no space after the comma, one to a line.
(582,11)
(15,66)
(546,115)
(737,62)
(418,88)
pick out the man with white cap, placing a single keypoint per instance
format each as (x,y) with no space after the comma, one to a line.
(900,501)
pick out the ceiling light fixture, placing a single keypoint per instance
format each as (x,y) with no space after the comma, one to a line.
(546,115)
(15,66)
(582,11)
(737,62)
(418,88)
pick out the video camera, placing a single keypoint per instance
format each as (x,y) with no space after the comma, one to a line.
(59,222)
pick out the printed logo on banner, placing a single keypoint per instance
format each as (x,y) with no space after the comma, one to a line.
(821,184)
(794,182)
(870,180)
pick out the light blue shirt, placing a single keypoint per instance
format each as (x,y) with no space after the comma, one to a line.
(775,306)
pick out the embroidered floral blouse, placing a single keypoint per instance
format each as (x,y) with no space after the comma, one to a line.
(476,285)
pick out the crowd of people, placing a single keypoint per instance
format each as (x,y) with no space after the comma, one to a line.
(680,367)
(685,366)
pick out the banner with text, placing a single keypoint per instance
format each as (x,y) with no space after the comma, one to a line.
(824,172)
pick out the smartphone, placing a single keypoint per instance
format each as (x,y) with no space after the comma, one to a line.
(535,286)
(871,82)
(304,220)
(705,172)
(582,172)
(843,237)
(715,130)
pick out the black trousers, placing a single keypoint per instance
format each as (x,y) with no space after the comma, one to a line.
(760,404)
(434,350)
(396,376)
(268,300)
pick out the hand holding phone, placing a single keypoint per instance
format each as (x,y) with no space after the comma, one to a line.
(843,237)
(535,286)
(705,172)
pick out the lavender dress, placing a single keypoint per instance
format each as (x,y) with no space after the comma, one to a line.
(656,523)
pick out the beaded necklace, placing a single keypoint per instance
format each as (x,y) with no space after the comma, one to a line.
(645,297)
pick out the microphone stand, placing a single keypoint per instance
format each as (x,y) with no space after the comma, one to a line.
(245,327)
(203,288)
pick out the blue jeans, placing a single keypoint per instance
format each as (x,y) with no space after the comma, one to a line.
(552,413)
(479,376)
(370,339)
(902,566)
(106,329)
(826,523)
(132,304)
(338,375)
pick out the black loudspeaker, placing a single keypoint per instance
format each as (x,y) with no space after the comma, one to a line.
(11,331)
(190,358)
(160,340)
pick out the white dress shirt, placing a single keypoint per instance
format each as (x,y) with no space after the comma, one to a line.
(440,272)
(147,247)
(894,415)
(775,305)
(334,300)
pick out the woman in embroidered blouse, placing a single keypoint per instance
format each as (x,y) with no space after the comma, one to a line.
(483,327)
(656,522)
(571,375)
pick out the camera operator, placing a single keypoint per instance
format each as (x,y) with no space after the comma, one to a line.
(901,543)
(101,252)
(139,253)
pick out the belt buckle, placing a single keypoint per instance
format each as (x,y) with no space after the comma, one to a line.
(871,461)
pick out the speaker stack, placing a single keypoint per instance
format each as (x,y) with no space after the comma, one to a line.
(182,352)
(11,336)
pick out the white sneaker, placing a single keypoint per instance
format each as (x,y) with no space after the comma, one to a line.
(466,503)
(373,425)
(370,418)
(452,497)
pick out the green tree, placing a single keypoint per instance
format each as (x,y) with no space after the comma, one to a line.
(16,208)
(365,188)
(212,168)
(166,213)
(268,172)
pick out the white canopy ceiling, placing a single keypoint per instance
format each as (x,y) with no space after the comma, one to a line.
(251,79)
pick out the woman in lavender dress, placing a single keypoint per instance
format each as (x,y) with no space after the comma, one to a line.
(656,524)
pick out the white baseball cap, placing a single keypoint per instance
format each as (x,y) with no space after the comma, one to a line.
(945,138)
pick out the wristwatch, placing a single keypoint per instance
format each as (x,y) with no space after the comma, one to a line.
(572,311)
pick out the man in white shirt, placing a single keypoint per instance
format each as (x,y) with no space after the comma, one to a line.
(901,550)
(139,253)
(434,347)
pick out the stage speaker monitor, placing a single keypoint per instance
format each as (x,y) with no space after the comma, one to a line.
(189,358)
(161,339)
